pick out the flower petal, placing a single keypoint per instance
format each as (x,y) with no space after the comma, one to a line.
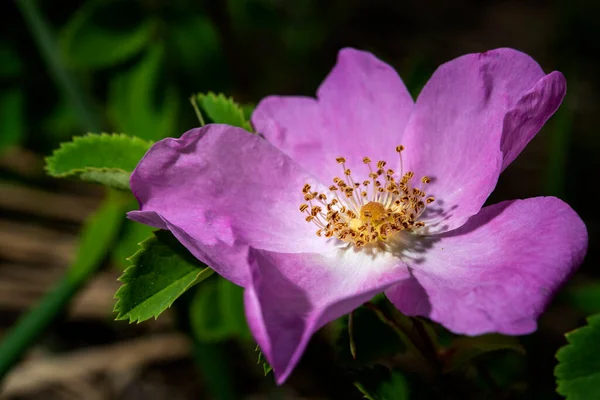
(498,271)
(220,189)
(467,108)
(530,113)
(362,109)
(293,295)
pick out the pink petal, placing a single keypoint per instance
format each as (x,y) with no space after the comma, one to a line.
(531,112)
(497,272)
(362,109)
(293,295)
(220,189)
(469,106)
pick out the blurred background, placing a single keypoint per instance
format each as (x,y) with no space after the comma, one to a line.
(69,67)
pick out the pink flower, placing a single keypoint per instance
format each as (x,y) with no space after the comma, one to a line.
(409,223)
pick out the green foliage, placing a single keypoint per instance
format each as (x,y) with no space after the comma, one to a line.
(585,297)
(223,110)
(108,159)
(140,101)
(195,50)
(12,99)
(382,384)
(104,33)
(578,370)
(11,64)
(12,118)
(62,122)
(465,349)
(159,273)
(248,109)
(99,234)
(371,338)
(262,360)
(217,311)
(132,234)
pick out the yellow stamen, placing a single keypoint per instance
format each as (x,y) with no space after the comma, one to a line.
(362,219)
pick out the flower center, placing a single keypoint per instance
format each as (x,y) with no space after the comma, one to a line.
(371,212)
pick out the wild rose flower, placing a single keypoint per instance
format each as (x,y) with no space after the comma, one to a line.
(362,191)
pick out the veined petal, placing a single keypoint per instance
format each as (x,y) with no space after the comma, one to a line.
(361,110)
(220,189)
(530,113)
(498,271)
(471,107)
(293,295)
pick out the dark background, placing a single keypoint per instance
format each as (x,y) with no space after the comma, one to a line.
(250,49)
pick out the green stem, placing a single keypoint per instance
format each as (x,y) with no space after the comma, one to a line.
(98,235)
(351,335)
(46,42)
(194,101)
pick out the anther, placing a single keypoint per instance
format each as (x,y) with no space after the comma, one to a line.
(366,160)
(303,207)
(425,179)
(340,160)
(399,148)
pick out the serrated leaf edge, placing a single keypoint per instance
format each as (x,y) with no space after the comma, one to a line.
(560,353)
(66,146)
(132,259)
(220,97)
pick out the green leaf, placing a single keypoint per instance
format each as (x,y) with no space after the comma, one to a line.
(133,233)
(108,159)
(159,273)
(463,349)
(248,109)
(223,110)
(105,33)
(12,118)
(141,102)
(381,384)
(217,311)
(578,370)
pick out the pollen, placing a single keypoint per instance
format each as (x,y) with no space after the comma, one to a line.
(368,212)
